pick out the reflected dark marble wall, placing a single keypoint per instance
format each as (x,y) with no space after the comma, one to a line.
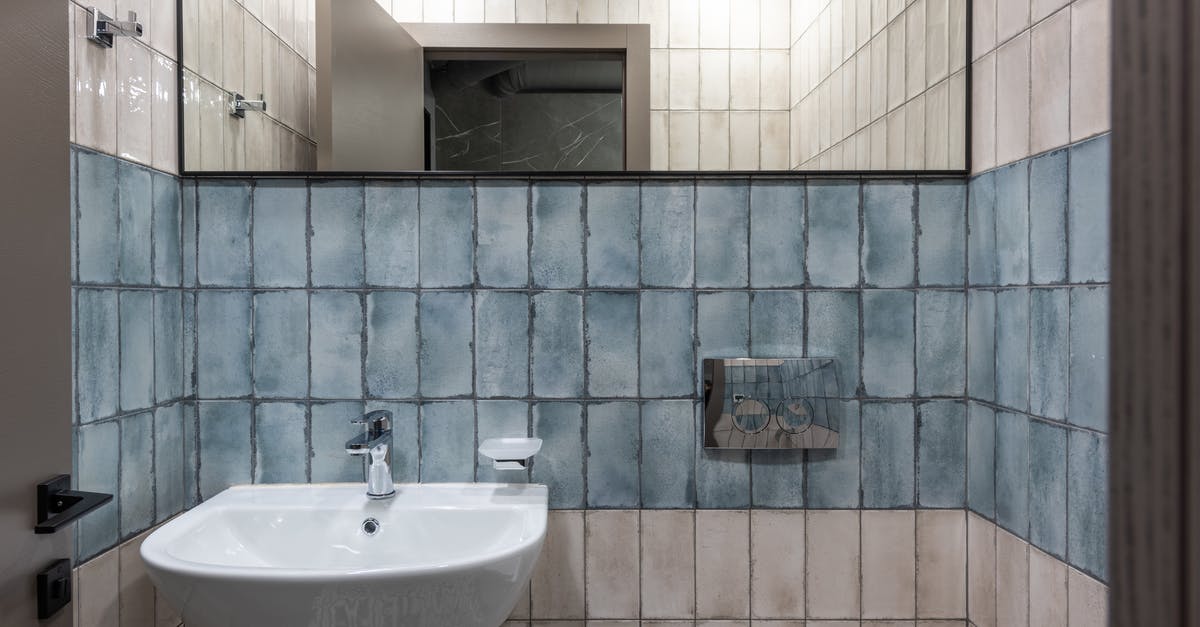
(476,130)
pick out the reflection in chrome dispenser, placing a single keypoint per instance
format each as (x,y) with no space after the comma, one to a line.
(771,403)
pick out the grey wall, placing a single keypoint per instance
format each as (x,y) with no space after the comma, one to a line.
(1038,343)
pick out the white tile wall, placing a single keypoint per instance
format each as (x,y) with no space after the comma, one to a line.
(882,81)
(1041,77)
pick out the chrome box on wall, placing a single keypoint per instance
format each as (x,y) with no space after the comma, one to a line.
(771,403)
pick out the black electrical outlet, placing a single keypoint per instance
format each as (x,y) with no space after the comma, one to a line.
(54,588)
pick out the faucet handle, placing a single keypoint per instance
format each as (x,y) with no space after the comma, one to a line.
(377,421)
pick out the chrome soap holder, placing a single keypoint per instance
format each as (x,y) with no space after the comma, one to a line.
(771,403)
(238,105)
(102,28)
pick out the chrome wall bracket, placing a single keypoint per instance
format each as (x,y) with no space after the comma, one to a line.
(771,403)
(239,105)
(102,28)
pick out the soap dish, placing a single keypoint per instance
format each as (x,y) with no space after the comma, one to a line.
(510,453)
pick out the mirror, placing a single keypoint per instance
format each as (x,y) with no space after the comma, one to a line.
(584,86)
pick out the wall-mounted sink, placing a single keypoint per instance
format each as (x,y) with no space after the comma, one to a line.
(435,555)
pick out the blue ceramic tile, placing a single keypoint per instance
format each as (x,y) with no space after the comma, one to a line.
(777,323)
(981,230)
(336,344)
(1012,348)
(331,429)
(502,245)
(167,241)
(223,242)
(833,332)
(135,198)
(406,433)
(446,251)
(942,211)
(1087,498)
(74,209)
(500,419)
(281,444)
(189,343)
(612,341)
(668,234)
(223,344)
(280,228)
(1088,398)
(833,474)
(888,249)
(137,473)
(168,345)
(448,442)
(1048,482)
(392,224)
(833,232)
(97,382)
(281,344)
(1088,217)
(722,476)
(888,350)
(98,222)
(667,358)
(778,478)
(722,327)
(556,256)
(1049,349)
(888,446)
(191,454)
(336,234)
(613,213)
(1012,472)
(613,443)
(188,221)
(981,345)
(1012,224)
(97,471)
(501,344)
(941,346)
(777,234)
(137,349)
(942,454)
(1047,218)
(224,446)
(557,361)
(981,460)
(560,464)
(168,462)
(392,344)
(446,335)
(668,454)
(722,234)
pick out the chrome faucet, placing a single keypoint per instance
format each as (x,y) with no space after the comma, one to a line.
(375,445)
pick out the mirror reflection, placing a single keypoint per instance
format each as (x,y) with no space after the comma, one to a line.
(574,85)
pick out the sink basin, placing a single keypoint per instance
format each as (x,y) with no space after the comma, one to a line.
(435,555)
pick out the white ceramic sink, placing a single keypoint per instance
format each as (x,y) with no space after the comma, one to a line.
(442,555)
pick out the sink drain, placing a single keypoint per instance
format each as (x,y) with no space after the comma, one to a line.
(370,526)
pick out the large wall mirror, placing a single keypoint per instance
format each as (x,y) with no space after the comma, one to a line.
(585,86)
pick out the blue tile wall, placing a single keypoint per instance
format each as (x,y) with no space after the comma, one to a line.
(833,234)
(280,228)
(98,453)
(612,343)
(135,198)
(833,475)
(170,465)
(777,323)
(137,349)
(336,235)
(97,218)
(445,250)
(279,435)
(501,250)
(167,230)
(137,478)
(833,331)
(888,236)
(445,353)
(501,344)
(1037,350)
(223,337)
(888,343)
(668,472)
(330,428)
(557,345)
(942,454)
(556,255)
(942,226)
(722,234)
(667,359)
(613,451)
(888,466)
(559,465)
(224,445)
(281,344)
(613,223)
(392,229)
(941,343)
(776,235)
(668,234)
(335,320)
(223,237)
(392,345)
